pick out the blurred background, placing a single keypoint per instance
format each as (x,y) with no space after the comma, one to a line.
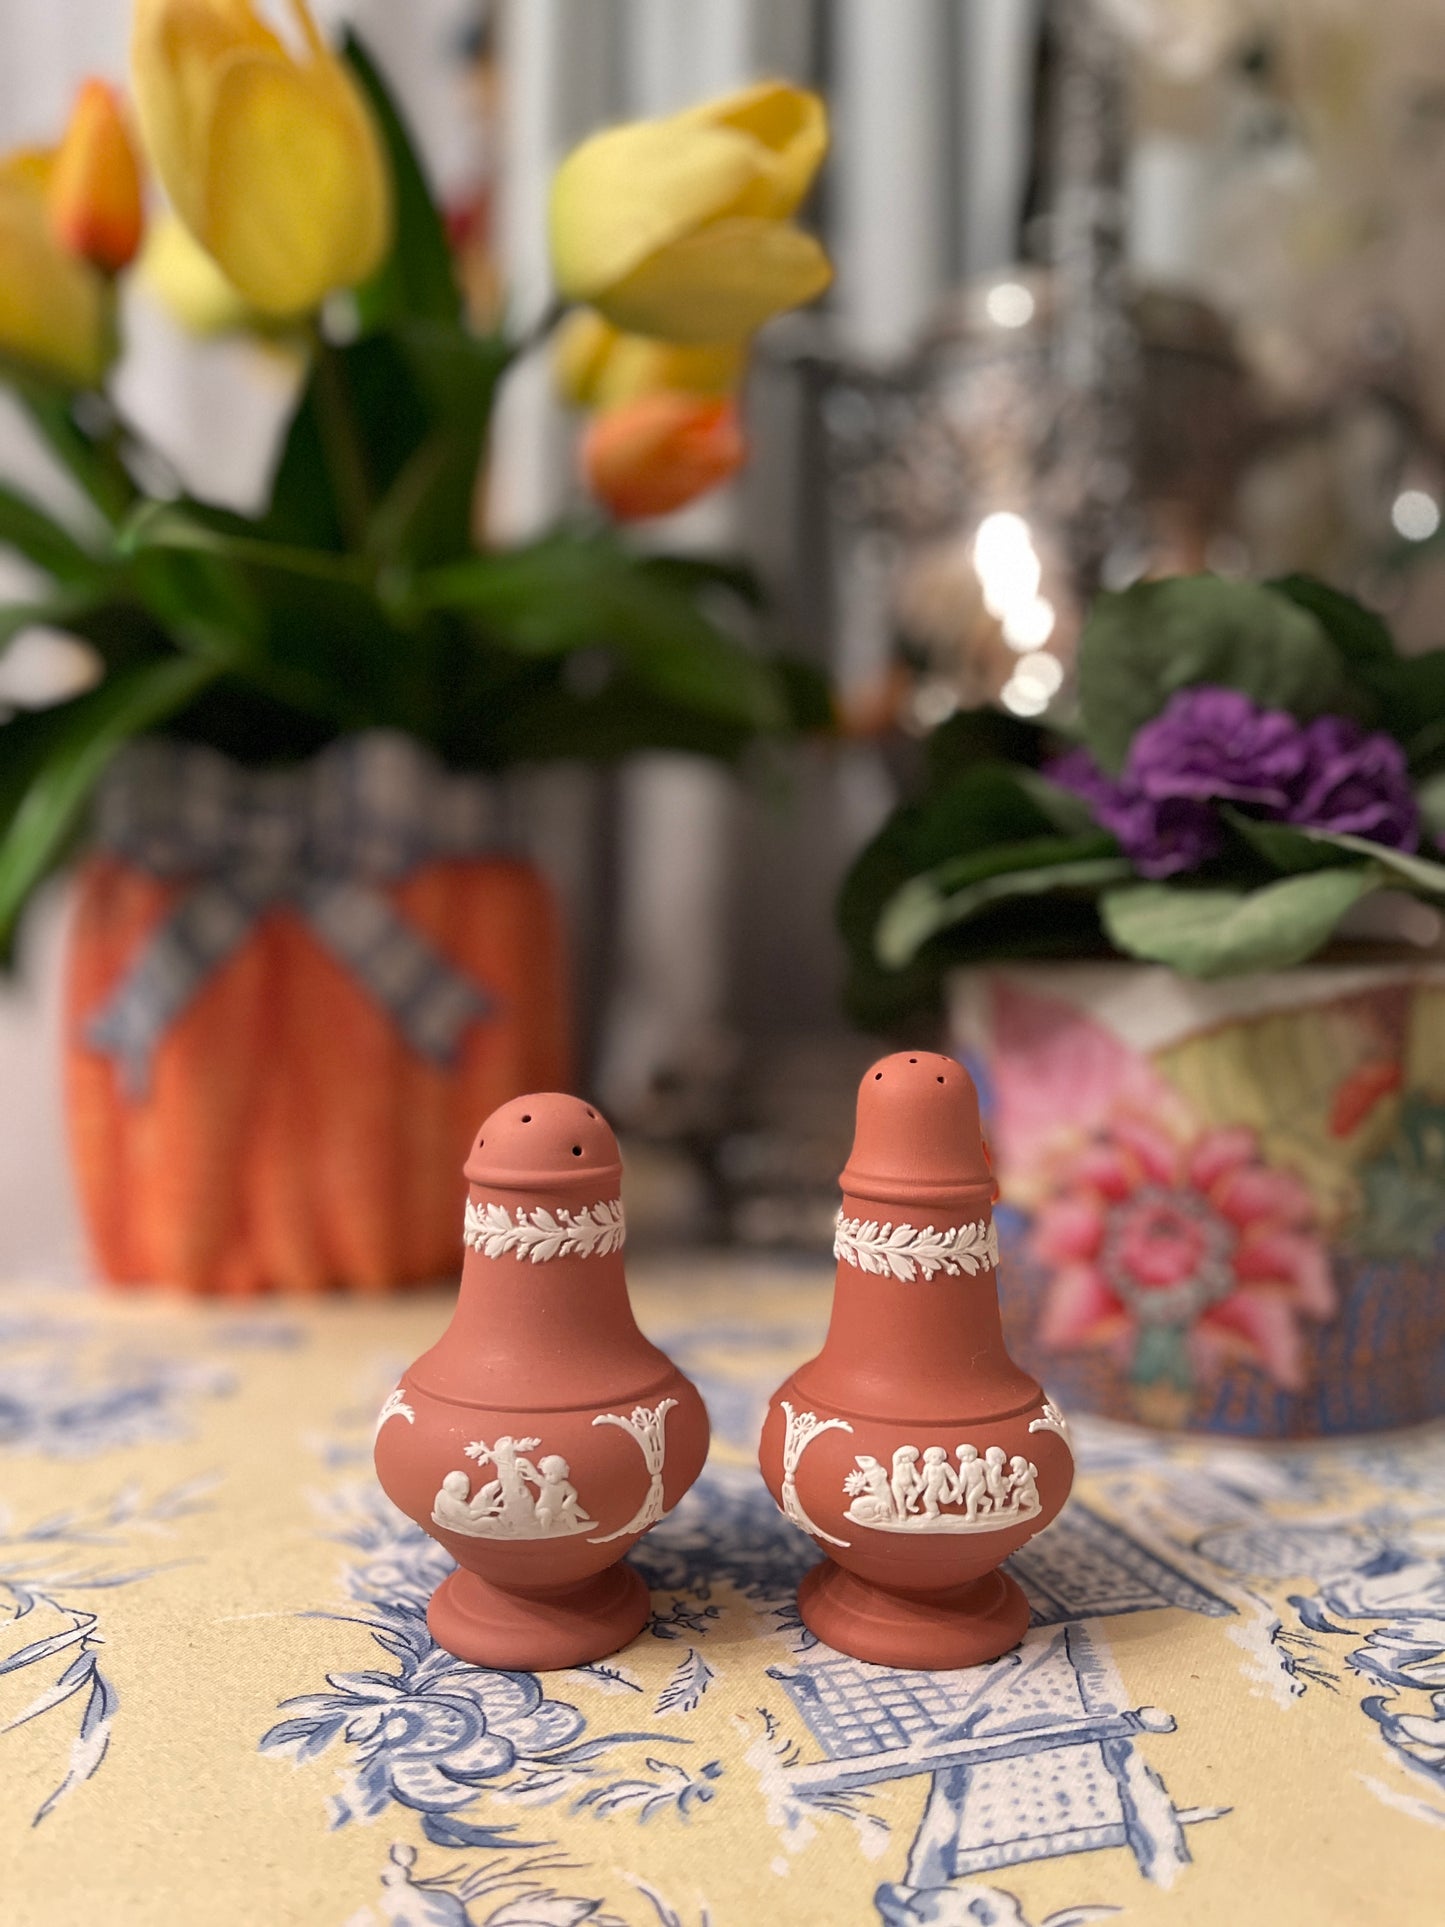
(1121,288)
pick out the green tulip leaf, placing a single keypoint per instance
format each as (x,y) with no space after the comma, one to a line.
(51,760)
(35,534)
(1144,644)
(416,277)
(1222,932)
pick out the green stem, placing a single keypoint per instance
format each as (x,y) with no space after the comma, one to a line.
(341,442)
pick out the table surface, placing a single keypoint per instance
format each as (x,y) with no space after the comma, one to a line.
(220,1703)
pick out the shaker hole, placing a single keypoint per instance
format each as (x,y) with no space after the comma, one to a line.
(528,1118)
(576,1150)
(913,1060)
(940,1080)
(877,1077)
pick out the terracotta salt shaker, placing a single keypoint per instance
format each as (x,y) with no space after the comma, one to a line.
(542,1434)
(912,1448)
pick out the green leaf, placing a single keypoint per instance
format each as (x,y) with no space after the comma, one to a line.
(425,515)
(955,892)
(983,807)
(93,459)
(1359,635)
(1431,798)
(1416,870)
(568,594)
(416,278)
(1296,848)
(32,532)
(53,758)
(699,573)
(1224,932)
(1415,709)
(973,736)
(1282,845)
(1141,645)
(358,420)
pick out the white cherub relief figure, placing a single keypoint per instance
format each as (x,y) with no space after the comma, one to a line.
(868,1487)
(1023,1484)
(558,1507)
(905,1483)
(508,1496)
(970,1485)
(995,1477)
(937,1486)
(452,1508)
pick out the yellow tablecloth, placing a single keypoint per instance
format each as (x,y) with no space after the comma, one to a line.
(223,1705)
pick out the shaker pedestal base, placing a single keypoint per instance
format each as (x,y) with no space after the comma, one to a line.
(934,1631)
(538,1631)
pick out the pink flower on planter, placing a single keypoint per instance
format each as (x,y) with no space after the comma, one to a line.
(1178,1253)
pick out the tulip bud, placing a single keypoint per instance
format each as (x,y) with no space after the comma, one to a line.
(95,183)
(597,366)
(56,311)
(681,227)
(660,452)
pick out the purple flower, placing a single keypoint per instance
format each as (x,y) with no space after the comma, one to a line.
(1356,783)
(1159,835)
(1215,743)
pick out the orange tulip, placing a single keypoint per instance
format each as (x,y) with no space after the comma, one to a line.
(659,452)
(95,183)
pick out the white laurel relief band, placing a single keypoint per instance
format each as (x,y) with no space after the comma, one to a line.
(540,1234)
(904,1250)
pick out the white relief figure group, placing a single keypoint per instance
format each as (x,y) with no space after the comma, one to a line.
(994,1490)
(524,1500)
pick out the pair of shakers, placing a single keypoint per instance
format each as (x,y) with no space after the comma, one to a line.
(543,1434)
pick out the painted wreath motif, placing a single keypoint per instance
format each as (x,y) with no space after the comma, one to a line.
(541,1234)
(905,1250)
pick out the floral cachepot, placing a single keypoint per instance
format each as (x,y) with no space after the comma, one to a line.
(290,996)
(1226,1202)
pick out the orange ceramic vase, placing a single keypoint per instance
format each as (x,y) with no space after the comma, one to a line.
(912,1448)
(290,1139)
(542,1434)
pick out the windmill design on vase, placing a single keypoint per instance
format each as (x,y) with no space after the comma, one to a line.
(994,1490)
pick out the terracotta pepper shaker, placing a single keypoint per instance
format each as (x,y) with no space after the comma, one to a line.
(542,1434)
(912,1447)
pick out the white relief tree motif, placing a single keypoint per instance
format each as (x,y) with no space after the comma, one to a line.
(540,1235)
(524,1500)
(1051,1419)
(646,1424)
(801,1429)
(903,1251)
(395,1407)
(993,1490)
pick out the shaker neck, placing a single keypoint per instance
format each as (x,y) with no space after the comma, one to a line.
(913,1346)
(524,1320)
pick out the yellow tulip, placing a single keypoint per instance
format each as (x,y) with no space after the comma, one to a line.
(270,157)
(56,312)
(95,188)
(680,228)
(176,269)
(597,366)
